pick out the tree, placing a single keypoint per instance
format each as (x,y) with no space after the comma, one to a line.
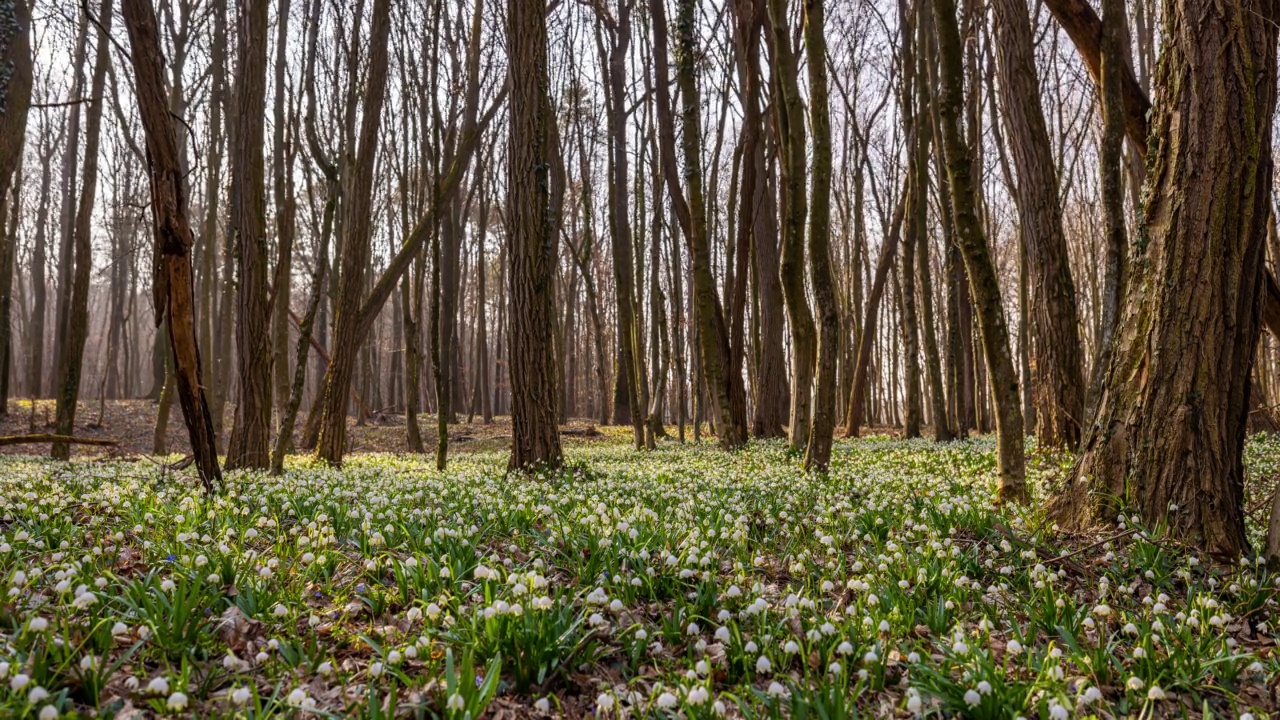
(818,454)
(532,221)
(1010,463)
(15,102)
(1057,377)
(71,361)
(1169,432)
(250,432)
(788,110)
(349,329)
(724,382)
(173,286)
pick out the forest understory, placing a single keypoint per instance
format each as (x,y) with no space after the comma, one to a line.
(681,581)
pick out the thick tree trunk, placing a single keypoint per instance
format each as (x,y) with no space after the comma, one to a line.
(1010,462)
(532,237)
(250,431)
(15,101)
(1057,376)
(1169,433)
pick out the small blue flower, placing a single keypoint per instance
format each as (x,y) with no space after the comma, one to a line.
(170,558)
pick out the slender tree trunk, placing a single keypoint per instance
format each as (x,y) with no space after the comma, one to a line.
(1057,377)
(251,429)
(173,284)
(357,230)
(282,196)
(77,328)
(1011,465)
(789,123)
(1170,427)
(724,387)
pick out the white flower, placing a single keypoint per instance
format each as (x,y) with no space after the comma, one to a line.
(763,666)
(1014,647)
(667,700)
(984,687)
(697,695)
(48,712)
(38,624)
(604,702)
(543,705)
(972,698)
(37,694)
(791,647)
(296,697)
(1091,695)
(456,702)
(176,701)
(1134,683)
(1057,712)
(158,686)
(777,689)
(914,703)
(241,695)
(1155,693)
(723,634)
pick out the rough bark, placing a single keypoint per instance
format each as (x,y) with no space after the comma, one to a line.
(818,454)
(1170,428)
(250,431)
(1010,462)
(15,102)
(1057,378)
(532,239)
(282,197)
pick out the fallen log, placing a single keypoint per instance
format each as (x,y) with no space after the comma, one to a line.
(52,438)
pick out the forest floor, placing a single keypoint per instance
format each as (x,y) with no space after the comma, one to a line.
(131,424)
(677,582)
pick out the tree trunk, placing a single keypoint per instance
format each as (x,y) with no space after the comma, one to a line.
(1169,433)
(532,237)
(250,432)
(348,332)
(282,152)
(173,285)
(818,454)
(15,101)
(724,387)
(1057,380)
(1010,462)
(77,328)
(789,123)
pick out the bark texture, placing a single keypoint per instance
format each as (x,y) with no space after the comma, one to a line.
(1057,377)
(1170,428)
(533,224)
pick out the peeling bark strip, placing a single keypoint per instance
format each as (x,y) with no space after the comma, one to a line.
(532,217)
(173,237)
(1170,427)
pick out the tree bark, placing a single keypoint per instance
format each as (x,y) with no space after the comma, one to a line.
(77,327)
(532,238)
(1010,463)
(1170,428)
(788,109)
(1057,380)
(725,387)
(348,332)
(15,102)
(250,431)
(173,283)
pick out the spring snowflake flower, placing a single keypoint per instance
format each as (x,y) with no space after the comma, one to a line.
(972,698)
(604,702)
(158,686)
(48,712)
(1134,683)
(456,702)
(176,701)
(777,689)
(697,695)
(763,666)
(1058,712)
(1156,693)
(666,700)
(37,694)
(241,695)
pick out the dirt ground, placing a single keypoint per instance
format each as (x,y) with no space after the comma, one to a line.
(131,423)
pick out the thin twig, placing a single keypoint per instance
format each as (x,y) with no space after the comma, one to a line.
(1104,541)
